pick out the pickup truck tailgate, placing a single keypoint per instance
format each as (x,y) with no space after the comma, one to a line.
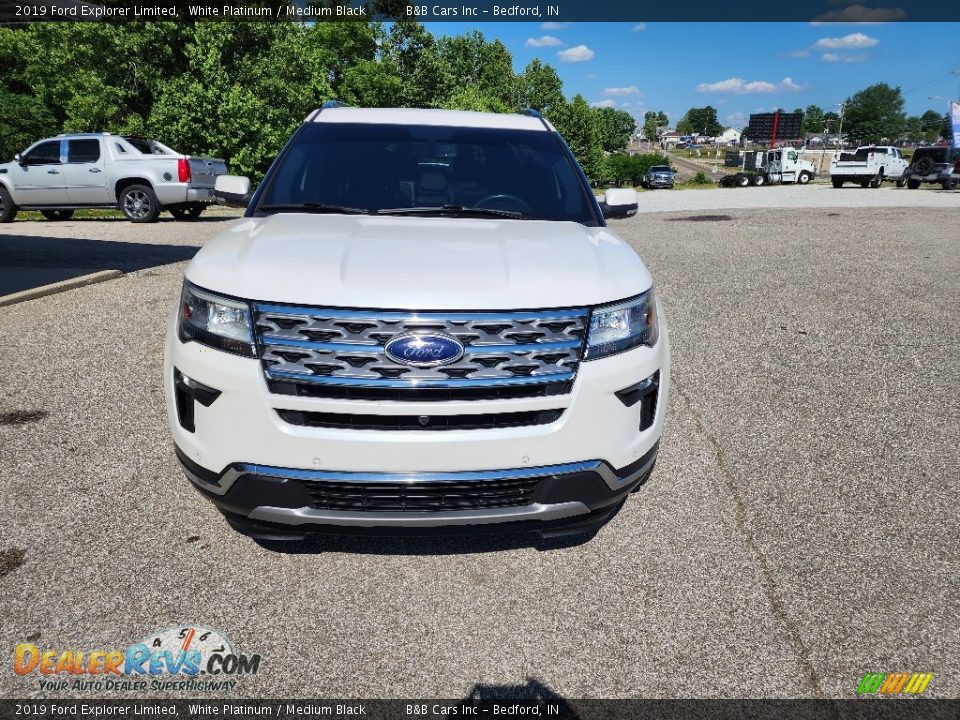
(204,171)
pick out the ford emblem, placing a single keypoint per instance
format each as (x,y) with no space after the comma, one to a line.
(424,349)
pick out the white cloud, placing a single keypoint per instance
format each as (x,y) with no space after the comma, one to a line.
(639,27)
(578,54)
(737,120)
(853,40)
(860,15)
(553,26)
(631,90)
(739,86)
(545,41)
(608,103)
(837,58)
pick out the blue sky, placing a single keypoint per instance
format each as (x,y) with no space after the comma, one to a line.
(738,68)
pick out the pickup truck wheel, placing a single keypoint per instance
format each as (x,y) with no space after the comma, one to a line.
(949,184)
(877,180)
(837,182)
(803,178)
(901,181)
(57,214)
(8,211)
(190,213)
(139,204)
(913,184)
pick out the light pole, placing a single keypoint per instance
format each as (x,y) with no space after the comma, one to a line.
(842,107)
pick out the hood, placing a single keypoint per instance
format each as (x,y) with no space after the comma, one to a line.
(419,263)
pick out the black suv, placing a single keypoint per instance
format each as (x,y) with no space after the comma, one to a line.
(934,165)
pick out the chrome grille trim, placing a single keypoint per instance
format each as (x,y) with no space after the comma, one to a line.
(346,347)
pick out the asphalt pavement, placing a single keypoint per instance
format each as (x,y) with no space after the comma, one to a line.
(799,531)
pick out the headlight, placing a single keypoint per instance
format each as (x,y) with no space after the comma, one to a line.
(215,321)
(626,325)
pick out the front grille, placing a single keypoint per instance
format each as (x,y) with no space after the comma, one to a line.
(354,421)
(359,392)
(333,348)
(420,496)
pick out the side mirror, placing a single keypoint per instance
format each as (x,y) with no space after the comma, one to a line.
(18,159)
(619,203)
(233,190)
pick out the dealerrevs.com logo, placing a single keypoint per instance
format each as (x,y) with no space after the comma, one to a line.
(188,658)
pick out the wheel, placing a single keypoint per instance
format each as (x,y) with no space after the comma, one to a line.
(139,203)
(913,184)
(57,214)
(837,182)
(8,211)
(758,180)
(743,180)
(803,178)
(877,180)
(949,184)
(188,213)
(901,181)
(924,165)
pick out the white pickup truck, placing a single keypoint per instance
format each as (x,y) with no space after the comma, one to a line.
(139,177)
(422,325)
(868,166)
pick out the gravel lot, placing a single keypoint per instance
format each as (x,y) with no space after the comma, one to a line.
(799,531)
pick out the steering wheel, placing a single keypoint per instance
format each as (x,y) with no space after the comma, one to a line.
(522,204)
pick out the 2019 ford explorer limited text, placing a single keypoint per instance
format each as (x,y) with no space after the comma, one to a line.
(422,325)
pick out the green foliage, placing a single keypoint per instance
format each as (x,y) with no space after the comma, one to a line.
(813,120)
(874,114)
(616,127)
(700,120)
(699,179)
(652,119)
(237,90)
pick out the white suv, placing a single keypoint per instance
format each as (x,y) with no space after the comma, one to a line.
(422,325)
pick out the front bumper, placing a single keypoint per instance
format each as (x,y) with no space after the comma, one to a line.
(268,501)
(660,183)
(266,474)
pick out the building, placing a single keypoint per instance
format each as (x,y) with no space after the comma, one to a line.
(729,137)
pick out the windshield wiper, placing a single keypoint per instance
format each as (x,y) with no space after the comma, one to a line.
(451,210)
(314,207)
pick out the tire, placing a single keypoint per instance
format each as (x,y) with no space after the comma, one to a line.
(57,214)
(876,181)
(924,166)
(188,213)
(949,184)
(901,181)
(743,180)
(803,178)
(139,204)
(913,184)
(8,211)
(758,180)
(837,182)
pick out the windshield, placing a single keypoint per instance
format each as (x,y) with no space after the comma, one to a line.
(417,169)
(659,168)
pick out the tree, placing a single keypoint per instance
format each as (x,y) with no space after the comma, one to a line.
(616,127)
(653,119)
(486,65)
(931,126)
(576,123)
(874,114)
(540,88)
(700,120)
(813,119)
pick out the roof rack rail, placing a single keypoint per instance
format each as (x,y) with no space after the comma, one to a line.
(333,104)
(530,112)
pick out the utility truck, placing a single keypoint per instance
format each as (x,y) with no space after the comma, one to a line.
(868,166)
